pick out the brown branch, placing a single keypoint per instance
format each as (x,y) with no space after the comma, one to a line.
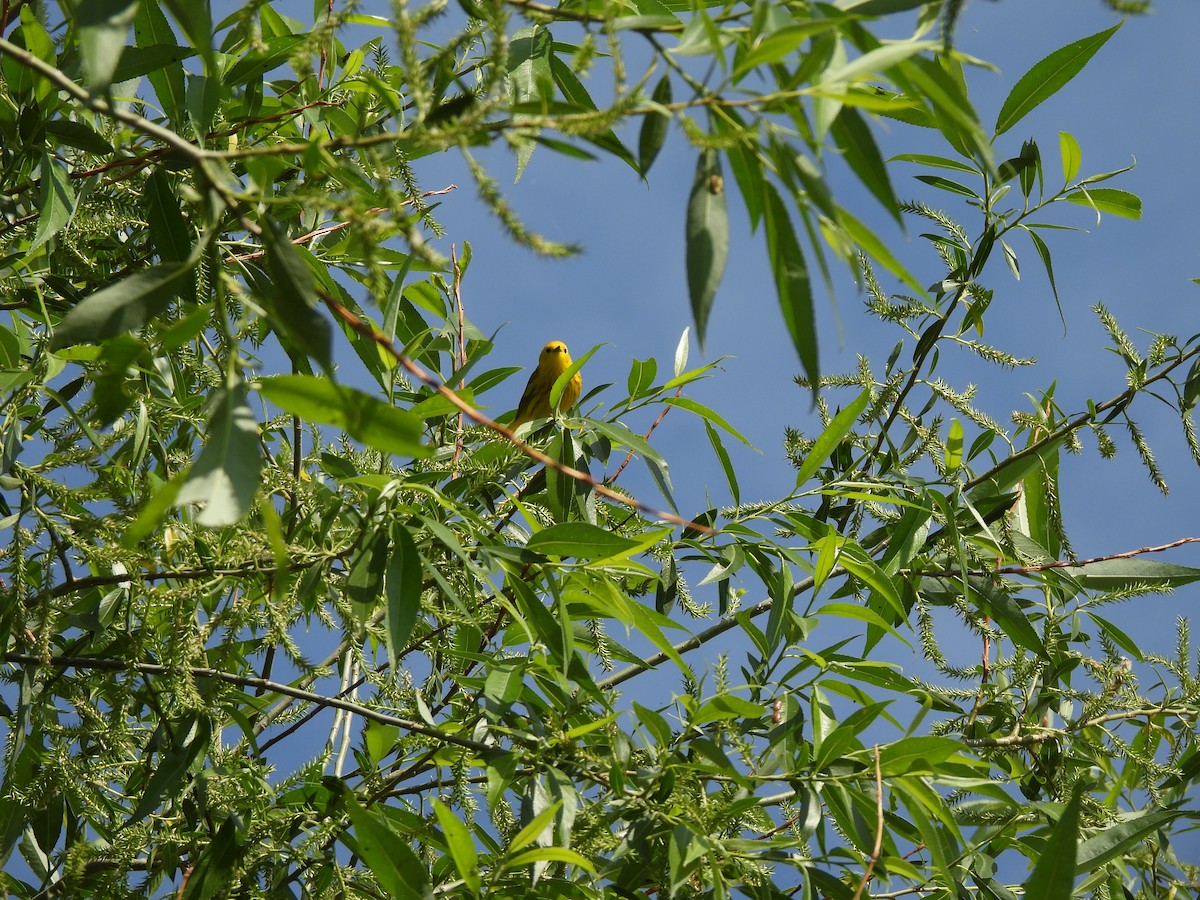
(369,331)
(878,827)
(628,456)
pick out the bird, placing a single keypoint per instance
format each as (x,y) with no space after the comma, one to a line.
(535,402)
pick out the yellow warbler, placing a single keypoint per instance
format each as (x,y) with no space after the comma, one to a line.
(535,402)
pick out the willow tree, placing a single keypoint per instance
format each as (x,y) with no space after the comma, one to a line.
(270,633)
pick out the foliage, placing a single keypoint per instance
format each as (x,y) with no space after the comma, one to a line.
(416,654)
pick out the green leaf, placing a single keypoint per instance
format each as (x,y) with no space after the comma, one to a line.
(781,43)
(655,126)
(1109,200)
(857,144)
(402,587)
(839,426)
(150,29)
(364,417)
(291,300)
(1191,387)
(1117,839)
(138,61)
(1117,574)
(954,445)
(792,284)
(459,845)
(945,184)
(744,162)
(79,135)
(917,755)
(641,375)
(714,438)
(103,31)
(387,854)
(574,91)
(876,61)
(227,474)
(364,580)
(273,53)
(57,202)
(1048,77)
(124,306)
(870,244)
(1044,253)
(1053,877)
(169,232)
(707,414)
(1071,155)
(584,541)
(707,235)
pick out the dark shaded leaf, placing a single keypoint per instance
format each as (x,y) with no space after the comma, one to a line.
(792,284)
(707,234)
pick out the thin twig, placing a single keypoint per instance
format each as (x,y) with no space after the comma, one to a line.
(462,353)
(1056,564)
(878,827)
(122,665)
(628,456)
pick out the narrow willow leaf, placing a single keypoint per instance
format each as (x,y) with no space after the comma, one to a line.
(1043,251)
(954,445)
(273,53)
(227,474)
(704,412)
(103,31)
(792,283)
(854,139)
(945,184)
(580,540)
(387,854)
(1121,837)
(838,427)
(707,234)
(1071,155)
(714,438)
(124,306)
(459,845)
(1054,875)
(291,300)
(402,588)
(574,92)
(1047,78)
(870,244)
(151,28)
(362,416)
(1191,387)
(1121,574)
(655,126)
(57,202)
(365,579)
(1109,200)
(746,165)
(781,43)
(79,135)
(169,232)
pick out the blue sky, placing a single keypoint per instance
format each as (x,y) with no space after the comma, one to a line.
(1135,100)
